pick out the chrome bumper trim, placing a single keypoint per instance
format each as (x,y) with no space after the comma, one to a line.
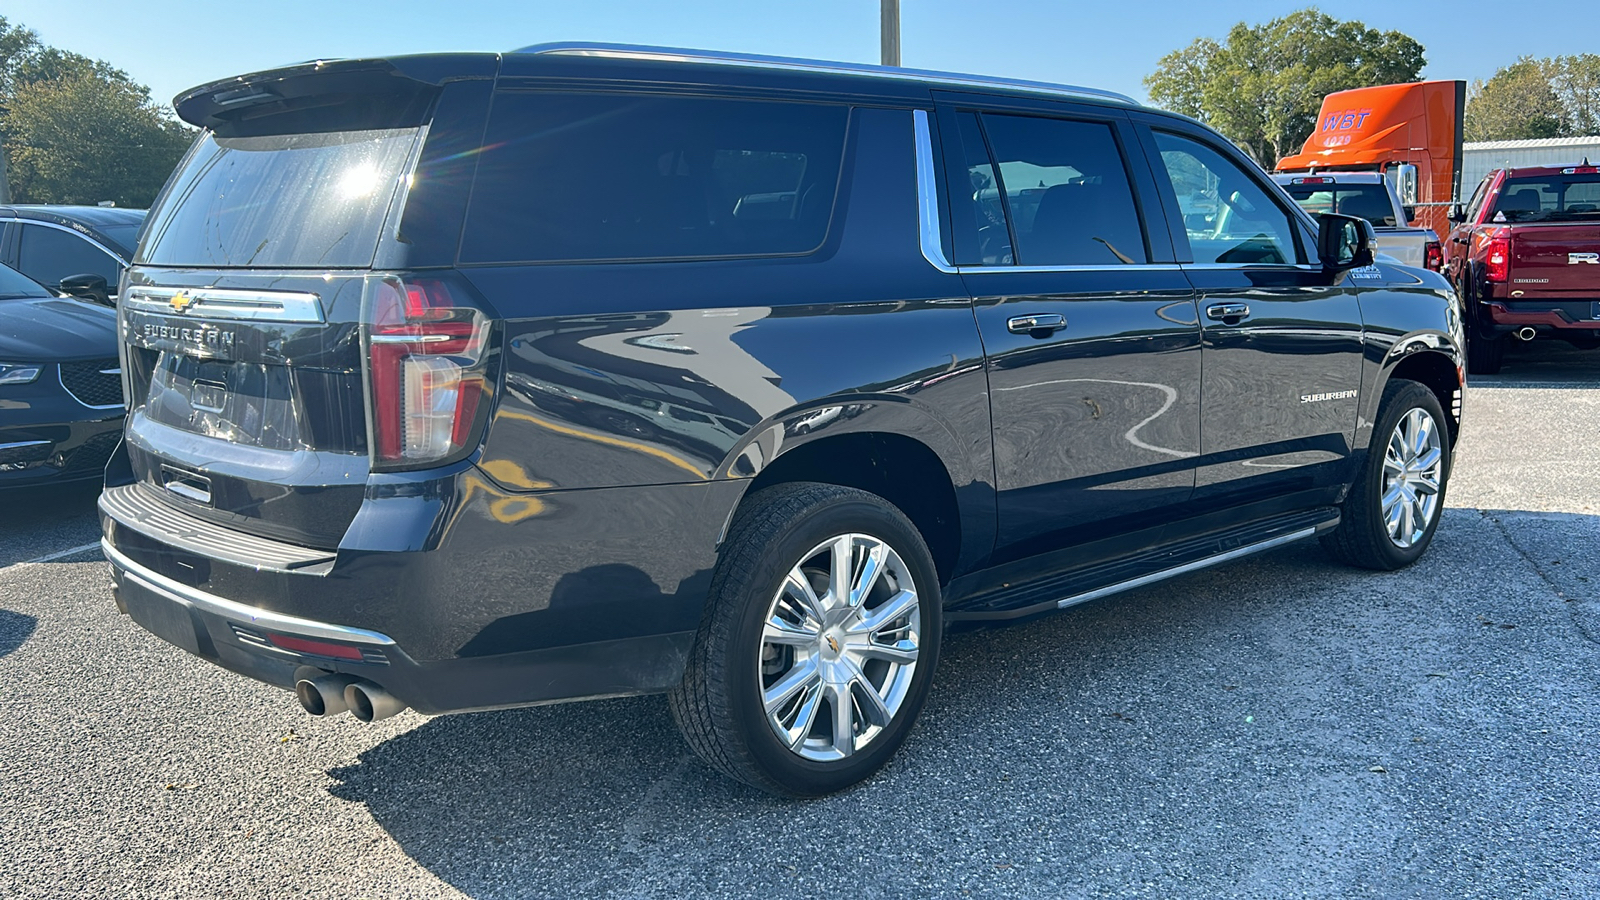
(239,612)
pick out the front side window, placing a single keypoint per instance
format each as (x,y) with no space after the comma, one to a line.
(1228,217)
(1477,200)
(48,255)
(1065,189)
(588,177)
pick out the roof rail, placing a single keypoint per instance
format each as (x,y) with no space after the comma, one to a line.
(751,60)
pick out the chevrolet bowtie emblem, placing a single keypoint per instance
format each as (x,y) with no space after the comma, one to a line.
(181,301)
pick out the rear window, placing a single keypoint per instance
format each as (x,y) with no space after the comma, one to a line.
(288,200)
(1369,201)
(1549,198)
(578,177)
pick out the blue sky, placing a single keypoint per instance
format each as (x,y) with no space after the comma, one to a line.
(174,44)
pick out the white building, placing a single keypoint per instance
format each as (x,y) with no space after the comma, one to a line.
(1480,158)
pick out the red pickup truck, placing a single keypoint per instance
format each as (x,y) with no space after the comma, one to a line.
(1525,260)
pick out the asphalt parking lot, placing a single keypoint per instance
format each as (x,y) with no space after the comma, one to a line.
(1281,727)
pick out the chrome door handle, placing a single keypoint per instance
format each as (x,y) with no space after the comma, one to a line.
(1037,325)
(1229,313)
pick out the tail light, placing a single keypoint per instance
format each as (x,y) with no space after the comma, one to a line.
(427,371)
(1497,258)
(1433,256)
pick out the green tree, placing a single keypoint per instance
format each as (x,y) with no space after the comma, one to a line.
(78,130)
(1516,103)
(85,138)
(1576,80)
(1262,86)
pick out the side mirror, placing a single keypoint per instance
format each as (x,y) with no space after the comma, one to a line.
(1455,214)
(1410,212)
(1344,242)
(87,287)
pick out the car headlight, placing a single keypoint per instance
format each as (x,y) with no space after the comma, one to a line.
(19,373)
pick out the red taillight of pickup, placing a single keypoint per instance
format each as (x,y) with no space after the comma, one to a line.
(1497,258)
(427,372)
(1433,256)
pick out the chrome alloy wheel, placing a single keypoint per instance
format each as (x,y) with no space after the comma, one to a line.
(839,647)
(1413,471)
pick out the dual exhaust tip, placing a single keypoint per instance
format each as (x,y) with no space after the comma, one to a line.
(329,695)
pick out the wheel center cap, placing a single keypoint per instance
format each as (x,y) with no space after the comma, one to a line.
(833,642)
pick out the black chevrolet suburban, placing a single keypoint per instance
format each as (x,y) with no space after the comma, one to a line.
(469,381)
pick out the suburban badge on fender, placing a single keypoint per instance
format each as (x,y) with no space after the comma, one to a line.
(1331,395)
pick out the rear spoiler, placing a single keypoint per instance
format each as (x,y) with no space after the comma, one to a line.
(330,95)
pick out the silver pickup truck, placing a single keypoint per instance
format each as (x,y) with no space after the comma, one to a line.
(1370,196)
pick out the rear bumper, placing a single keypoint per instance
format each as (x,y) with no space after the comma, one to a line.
(240,638)
(493,613)
(1512,315)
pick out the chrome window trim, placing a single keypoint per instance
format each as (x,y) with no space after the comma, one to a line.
(1131,267)
(238,612)
(927,195)
(1277,267)
(218,303)
(793,64)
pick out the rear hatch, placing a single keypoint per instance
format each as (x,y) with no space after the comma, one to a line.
(242,315)
(1555,239)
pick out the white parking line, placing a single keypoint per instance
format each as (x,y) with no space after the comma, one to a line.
(52,557)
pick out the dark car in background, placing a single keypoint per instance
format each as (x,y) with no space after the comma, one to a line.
(468,381)
(60,385)
(52,244)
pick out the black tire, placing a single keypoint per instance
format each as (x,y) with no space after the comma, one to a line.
(719,704)
(1362,538)
(1485,353)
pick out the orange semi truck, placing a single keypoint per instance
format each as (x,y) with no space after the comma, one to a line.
(1409,132)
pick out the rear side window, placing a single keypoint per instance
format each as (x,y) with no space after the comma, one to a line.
(578,177)
(1063,186)
(284,200)
(48,255)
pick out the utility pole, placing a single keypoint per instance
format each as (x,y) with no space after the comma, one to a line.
(890,41)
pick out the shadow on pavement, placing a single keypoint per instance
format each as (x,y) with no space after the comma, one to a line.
(15,629)
(1545,364)
(1197,720)
(38,521)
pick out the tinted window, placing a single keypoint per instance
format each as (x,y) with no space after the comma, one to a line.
(294,200)
(1066,190)
(1369,201)
(48,255)
(982,189)
(1548,198)
(605,177)
(1228,217)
